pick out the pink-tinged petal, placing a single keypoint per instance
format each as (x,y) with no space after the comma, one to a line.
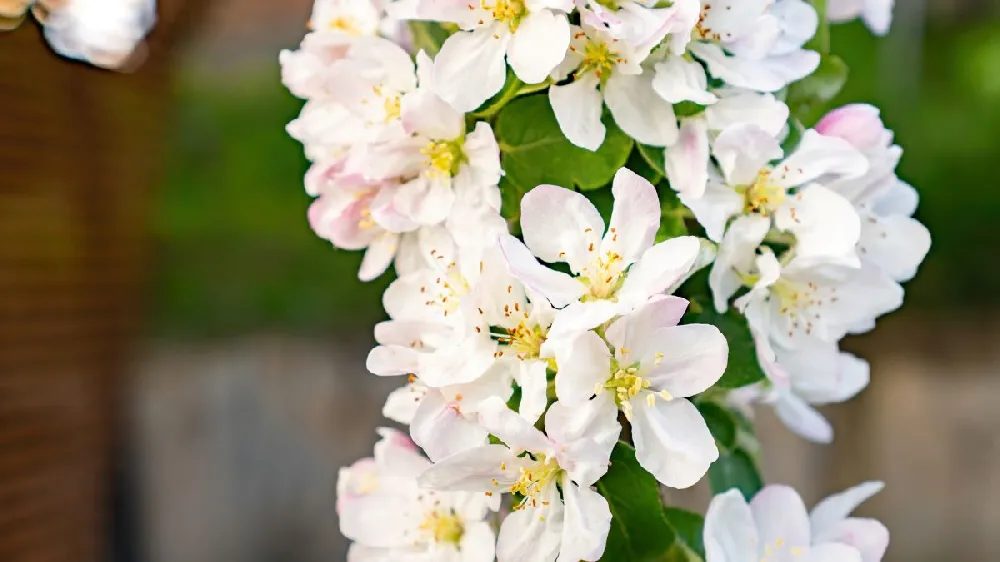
(378,256)
(470,68)
(838,507)
(577,107)
(581,316)
(635,217)
(672,441)
(512,429)
(559,225)
(833,552)
(683,360)
(687,161)
(662,311)
(744,149)
(441,430)
(639,110)
(658,268)
(825,224)
(730,531)
(538,45)
(817,156)
(859,124)
(560,289)
(475,470)
(584,363)
(423,112)
(801,418)
(586,523)
(868,536)
(392,360)
(781,515)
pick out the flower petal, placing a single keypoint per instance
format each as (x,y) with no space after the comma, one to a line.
(817,156)
(838,507)
(868,536)
(662,311)
(635,217)
(560,225)
(672,441)
(470,68)
(730,531)
(686,161)
(639,110)
(658,268)
(833,552)
(801,418)
(825,224)
(584,363)
(896,244)
(781,515)
(441,430)
(684,360)
(534,388)
(533,534)
(743,150)
(586,524)
(475,470)
(678,79)
(560,289)
(586,433)
(538,45)
(425,113)
(512,429)
(577,107)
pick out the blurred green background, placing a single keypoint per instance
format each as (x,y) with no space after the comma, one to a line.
(234,252)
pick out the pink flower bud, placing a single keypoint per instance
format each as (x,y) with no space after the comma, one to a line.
(858,124)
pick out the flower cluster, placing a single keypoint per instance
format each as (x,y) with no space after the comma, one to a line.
(533,362)
(104,33)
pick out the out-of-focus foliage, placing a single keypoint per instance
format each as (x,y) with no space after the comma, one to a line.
(235,252)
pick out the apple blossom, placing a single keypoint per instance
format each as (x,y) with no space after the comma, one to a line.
(390,517)
(558,515)
(775,526)
(611,275)
(104,33)
(877,14)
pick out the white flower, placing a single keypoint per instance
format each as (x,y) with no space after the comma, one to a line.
(890,238)
(825,225)
(531,35)
(101,32)
(649,365)
(437,154)
(775,527)
(643,24)
(756,44)
(877,14)
(611,275)
(608,70)
(793,302)
(348,17)
(687,161)
(559,515)
(390,517)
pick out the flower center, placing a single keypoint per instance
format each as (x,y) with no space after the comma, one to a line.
(345,25)
(533,481)
(604,276)
(443,158)
(702,31)
(800,302)
(510,12)
(447,290)
(627,383)
(773,550)
(764,196)
(443,526)
(599,58)
(525,341)
(392,108)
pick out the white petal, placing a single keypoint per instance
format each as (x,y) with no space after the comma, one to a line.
(538,44)
(825,224)
(672,441)
(587,433)
(896,244)
(763,110)
(680,80)
(378,256)
(715,207)
(470,68)
(370,519)
(560,289)
(686,161)
(639,110)
(878,15)
(683,360)
(478,543)
(818,155)
(559,225)
(730,531)
(401,404)
(512,429)
(533,534)
(577,107)
(658,268)
(833,552)
(441,430)
(869,537)
(534,388)
(736,256)
(474,470)
(780,514)
(586,525)
(426,201)
(838,507)
(662,311)
(392,360)
(741,73)
(424,112)
(799,22)
(584,362)
(743,150)
(635,217)
(581,316)
(802,418)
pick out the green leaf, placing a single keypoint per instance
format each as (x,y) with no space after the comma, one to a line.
(743,368)
(638,164)
(721,423)
(821,41)
(736,469)
(808,98)
(510,89)
(535,151)
(688,529)
(653,155)
(639,529)
(510,204)
(672,215)
(795,132)
(428,36)
(688,108)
